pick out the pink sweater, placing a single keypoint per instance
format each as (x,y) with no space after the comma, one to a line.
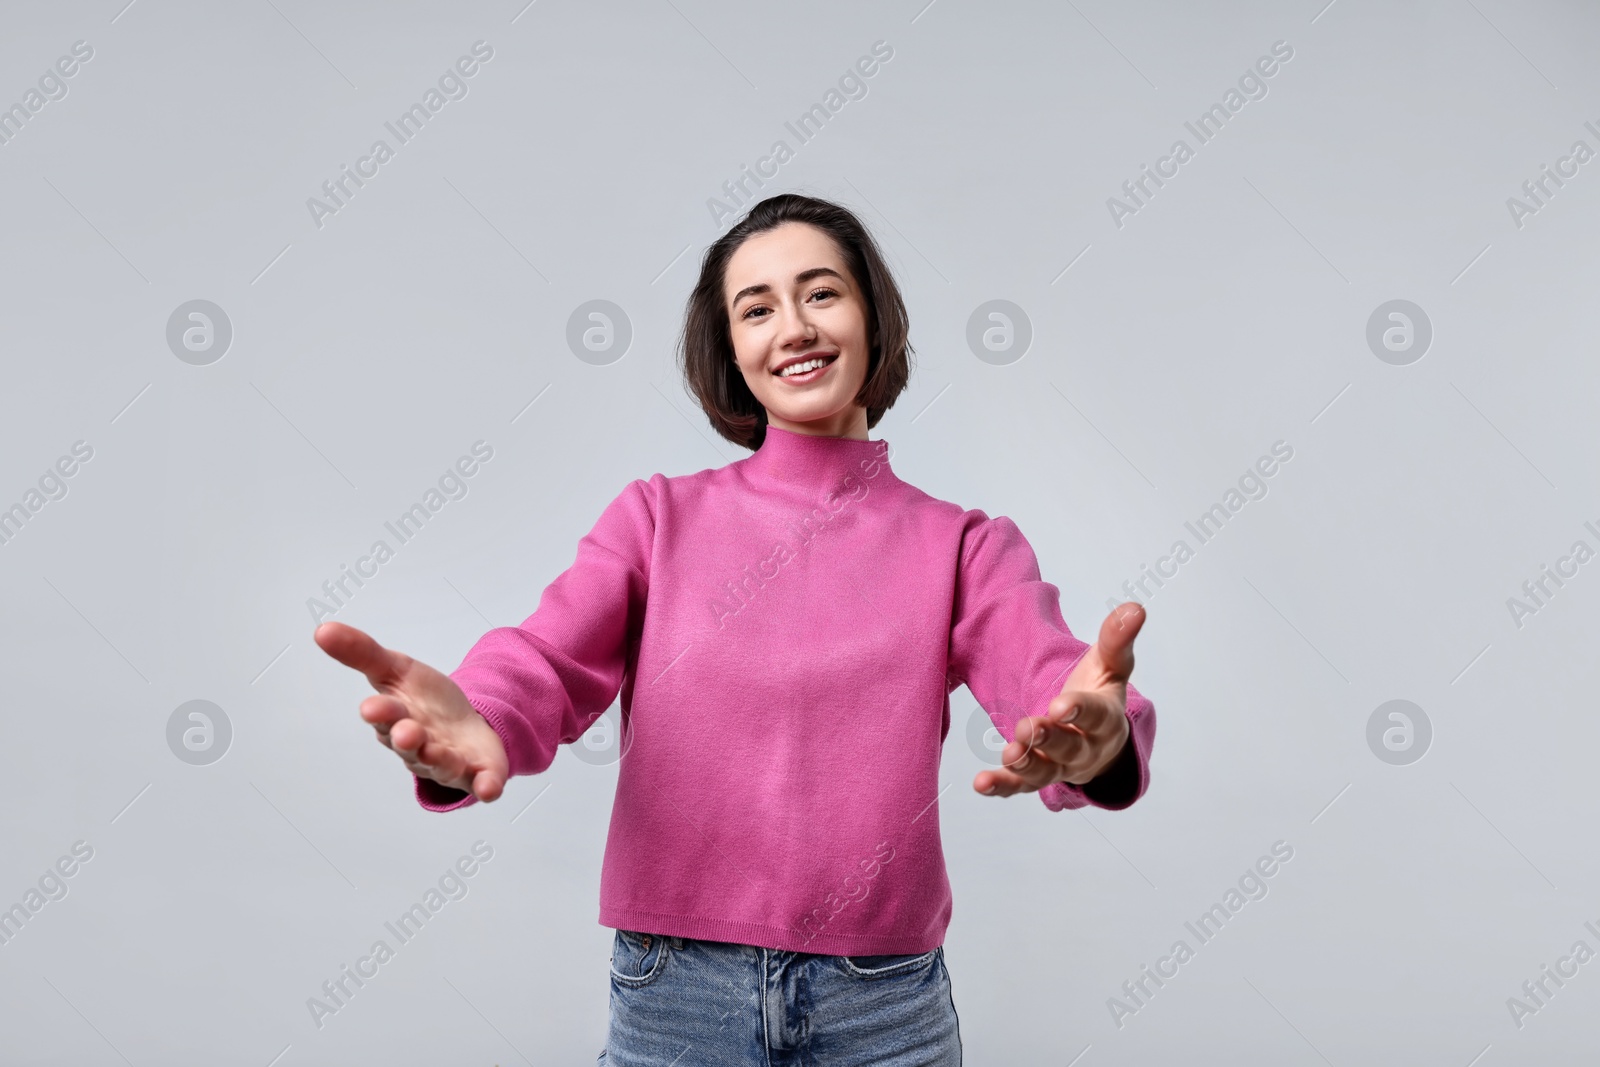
(785,632)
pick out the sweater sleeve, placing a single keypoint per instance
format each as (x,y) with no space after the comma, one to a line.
(1011,647)
(543,683)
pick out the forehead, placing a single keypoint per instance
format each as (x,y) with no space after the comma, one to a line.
(776,256)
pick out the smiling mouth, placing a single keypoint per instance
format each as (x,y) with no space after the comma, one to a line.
(797,370)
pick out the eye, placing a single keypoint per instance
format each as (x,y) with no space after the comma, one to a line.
(822,293)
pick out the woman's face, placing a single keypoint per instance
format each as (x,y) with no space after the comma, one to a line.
(791,300)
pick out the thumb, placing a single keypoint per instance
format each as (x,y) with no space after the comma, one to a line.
(1116,638)
(356,648)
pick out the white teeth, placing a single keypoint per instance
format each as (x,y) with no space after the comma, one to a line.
(801,368)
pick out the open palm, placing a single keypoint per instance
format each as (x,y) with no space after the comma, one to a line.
(1086,728)
(421,715)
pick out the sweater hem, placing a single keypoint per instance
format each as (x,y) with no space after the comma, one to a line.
(761,935)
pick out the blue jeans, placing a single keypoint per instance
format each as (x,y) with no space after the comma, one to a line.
(679,1002)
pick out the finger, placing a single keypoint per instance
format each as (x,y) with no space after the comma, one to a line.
(406,737)
(1116,638)
(1050,742)
(1079,751)
(424,769)
(1089,712)
(1002,783)
(355,648)
(1023,757)
(448,764)
(1029,764)
(383,711)
(487,785)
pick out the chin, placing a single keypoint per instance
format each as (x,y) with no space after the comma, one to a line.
(810,413)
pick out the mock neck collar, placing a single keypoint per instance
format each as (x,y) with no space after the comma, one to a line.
(813,462)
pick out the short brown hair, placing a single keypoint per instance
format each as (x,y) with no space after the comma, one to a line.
(705,347)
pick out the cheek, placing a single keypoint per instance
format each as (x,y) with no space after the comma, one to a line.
(858,372)
(862,348)
(850,330)
(749,349)
(754,371)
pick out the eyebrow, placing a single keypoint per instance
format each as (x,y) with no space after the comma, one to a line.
(800,279)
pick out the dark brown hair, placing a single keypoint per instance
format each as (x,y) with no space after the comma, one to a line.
(705,347)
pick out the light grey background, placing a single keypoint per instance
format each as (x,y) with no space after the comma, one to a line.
(1168,354)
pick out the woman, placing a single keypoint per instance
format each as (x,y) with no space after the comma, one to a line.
(784,632)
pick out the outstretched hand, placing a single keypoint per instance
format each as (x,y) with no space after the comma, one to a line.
(422,715)
(1086,726)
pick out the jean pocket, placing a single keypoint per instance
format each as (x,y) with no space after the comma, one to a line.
(886,966)
(637,959)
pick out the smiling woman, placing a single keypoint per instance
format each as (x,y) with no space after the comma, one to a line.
(797,284)
(780,750)
(800,345)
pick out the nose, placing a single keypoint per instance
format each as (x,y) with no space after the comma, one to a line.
(794,326)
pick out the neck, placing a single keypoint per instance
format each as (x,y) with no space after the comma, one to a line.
(814,463)
(850,422)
